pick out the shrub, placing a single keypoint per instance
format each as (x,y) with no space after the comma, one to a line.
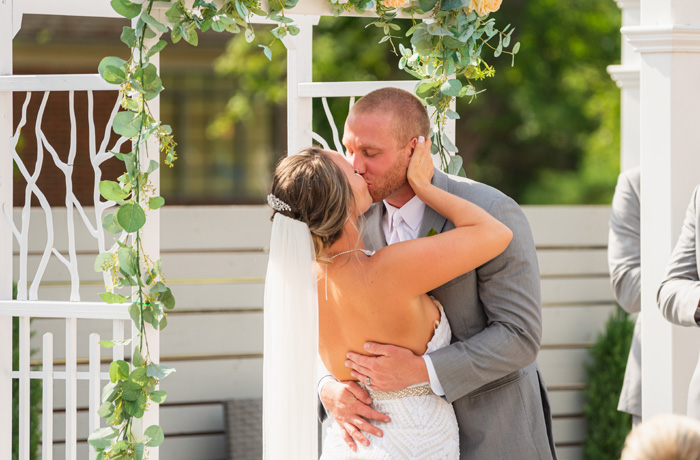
(607,427)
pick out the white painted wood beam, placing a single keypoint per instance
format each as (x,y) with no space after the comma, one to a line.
(668,41)
(6,170)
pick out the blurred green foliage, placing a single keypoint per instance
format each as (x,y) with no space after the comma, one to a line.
(607,427)
(545,131)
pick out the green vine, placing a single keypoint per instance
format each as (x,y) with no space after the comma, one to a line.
(445,54)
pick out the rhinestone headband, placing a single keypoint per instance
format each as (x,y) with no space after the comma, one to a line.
(277,204)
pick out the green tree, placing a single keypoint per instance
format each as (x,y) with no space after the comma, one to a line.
(547,129)
(544,131)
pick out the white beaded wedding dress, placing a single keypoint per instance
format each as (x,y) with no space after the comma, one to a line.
(423,425)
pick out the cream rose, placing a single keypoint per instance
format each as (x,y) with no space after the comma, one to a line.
(396,3)
(484,7)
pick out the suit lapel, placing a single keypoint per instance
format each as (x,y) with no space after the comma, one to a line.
(431,218)
(372,232)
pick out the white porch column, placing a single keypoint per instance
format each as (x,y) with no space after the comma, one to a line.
(299,60)
(668,41)
(626,75)
(6,29)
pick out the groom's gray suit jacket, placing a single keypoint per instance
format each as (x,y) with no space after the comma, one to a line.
(489,371)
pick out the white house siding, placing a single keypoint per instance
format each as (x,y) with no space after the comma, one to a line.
(214,259)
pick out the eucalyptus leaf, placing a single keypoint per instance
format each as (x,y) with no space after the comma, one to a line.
(191,36)
(128,36)
(159,371)
(105,410)
(451,114)
(156,202)
(437,30)
(126,8)
(114,343)
(455,164)
(250,35)
(152,166)
(127,261)
(118,370)
(127,124)
(153,22)
(267,52)
(427,88)
(131,217)
(451,88)
(138,450)
(137,358)
(153,436)
(427,5)
(131,391)
(103,261)
(158,396)
(110,297)
(167,298)
(293,30)
(447,143)
(110,391)
(102,438)
(157,48)
(111,225)
(135,314)
(112,191)
(112,62)
(139,377)
(448,5)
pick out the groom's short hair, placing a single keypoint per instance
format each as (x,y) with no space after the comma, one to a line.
(410,118)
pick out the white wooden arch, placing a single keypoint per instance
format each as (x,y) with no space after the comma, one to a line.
(301,92)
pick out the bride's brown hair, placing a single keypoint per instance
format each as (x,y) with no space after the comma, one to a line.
(317,191)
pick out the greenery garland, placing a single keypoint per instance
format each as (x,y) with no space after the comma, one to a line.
(445,54)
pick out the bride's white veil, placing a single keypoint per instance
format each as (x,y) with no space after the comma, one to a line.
(291,344)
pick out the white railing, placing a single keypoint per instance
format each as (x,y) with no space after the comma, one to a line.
(52,246)
(25,311)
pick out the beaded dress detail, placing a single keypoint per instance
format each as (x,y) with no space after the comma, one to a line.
(423,425)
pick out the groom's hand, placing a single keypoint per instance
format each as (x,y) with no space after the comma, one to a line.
(391,368)
(349,405)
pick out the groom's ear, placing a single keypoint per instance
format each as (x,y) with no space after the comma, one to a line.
(413,142)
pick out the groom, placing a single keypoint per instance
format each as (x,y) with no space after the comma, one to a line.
(489,371)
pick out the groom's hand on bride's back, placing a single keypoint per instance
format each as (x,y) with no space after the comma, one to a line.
(349,405)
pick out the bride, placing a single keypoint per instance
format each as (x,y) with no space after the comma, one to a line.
(317,258)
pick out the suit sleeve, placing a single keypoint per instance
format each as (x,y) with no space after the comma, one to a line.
(624,246)
(679,292)
(509,290)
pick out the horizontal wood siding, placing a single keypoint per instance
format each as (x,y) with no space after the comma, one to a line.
(215,257)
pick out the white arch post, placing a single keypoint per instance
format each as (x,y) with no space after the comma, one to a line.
(6,28)
(668,41)
(626,75)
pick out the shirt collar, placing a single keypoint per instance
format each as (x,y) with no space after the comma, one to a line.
(411,212)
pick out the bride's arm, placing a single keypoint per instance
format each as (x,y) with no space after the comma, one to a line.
(421,265)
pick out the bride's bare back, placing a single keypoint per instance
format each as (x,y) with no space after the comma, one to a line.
(362,307)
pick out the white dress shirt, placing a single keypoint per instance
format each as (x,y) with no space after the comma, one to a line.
(401,224)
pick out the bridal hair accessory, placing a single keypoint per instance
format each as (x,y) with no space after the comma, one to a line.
(277,204)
